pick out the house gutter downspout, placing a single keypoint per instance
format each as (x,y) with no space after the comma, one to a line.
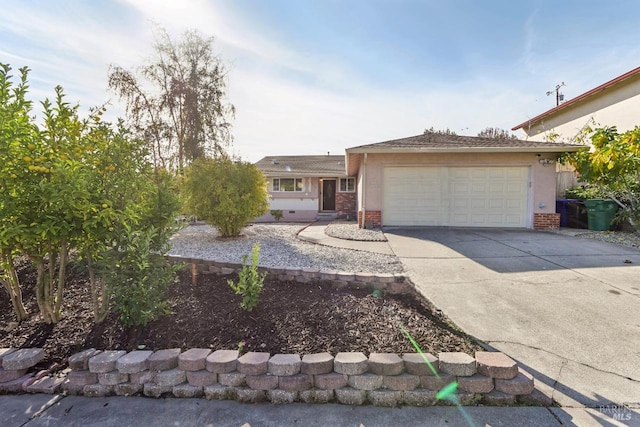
(364,191)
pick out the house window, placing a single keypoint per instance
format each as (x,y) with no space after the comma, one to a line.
(287,184)
(347,185)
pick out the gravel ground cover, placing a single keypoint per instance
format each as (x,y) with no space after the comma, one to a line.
(623,238)
(279,247)
(349,230)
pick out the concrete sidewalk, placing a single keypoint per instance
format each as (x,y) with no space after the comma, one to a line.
(45,410)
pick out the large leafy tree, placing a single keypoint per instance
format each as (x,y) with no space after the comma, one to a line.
(177,101)
(80,186)
(610,161)
(16,130)
(43,197)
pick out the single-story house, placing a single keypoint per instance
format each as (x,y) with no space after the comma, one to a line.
(614,103)
(447,180)
(307,188)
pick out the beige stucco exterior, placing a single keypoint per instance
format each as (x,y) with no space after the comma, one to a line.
(317,195)
(542,179)
(295,205)
(614,104)
(304,206)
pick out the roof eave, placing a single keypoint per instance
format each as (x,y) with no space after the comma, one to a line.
(405,150)
(294,174)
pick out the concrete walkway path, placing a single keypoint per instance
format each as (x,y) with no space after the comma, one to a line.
(314,233)
(567,309)
(45,410)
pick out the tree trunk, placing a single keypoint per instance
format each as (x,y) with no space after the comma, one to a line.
(12,285)
(16,299)
(93,285)
(98,293)
(59,295)
(629,209)
(41,296)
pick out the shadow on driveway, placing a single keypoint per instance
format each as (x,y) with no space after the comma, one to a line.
(566,308)
(509,250)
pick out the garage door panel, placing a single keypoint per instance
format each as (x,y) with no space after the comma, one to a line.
(496,187)
(514,205)
(496,204)
(461,187)
(456,196)
(479,204)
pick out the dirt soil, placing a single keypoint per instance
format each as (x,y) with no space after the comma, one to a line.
(290,318)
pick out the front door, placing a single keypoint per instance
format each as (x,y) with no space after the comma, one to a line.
(328,195)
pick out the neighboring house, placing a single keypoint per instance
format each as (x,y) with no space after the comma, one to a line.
(448,180)
(614,103)
(306,188)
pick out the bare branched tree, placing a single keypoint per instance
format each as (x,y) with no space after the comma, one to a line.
(433,130)
(177,101)
(496,133)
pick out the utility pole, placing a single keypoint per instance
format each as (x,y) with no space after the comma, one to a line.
(559,96)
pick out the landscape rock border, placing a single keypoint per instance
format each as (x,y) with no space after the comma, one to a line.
(350,378)
(387,282)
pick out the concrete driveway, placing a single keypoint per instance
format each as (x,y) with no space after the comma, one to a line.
(567,309)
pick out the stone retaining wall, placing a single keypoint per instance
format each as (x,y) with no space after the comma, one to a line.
(391,283)
(382,379)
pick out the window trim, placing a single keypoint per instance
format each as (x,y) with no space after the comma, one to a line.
(296,188)
(346,180)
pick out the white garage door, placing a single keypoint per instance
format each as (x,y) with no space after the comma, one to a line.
(456,196)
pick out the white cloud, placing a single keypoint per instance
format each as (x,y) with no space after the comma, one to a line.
(70,48)
(292,119)
(289,101)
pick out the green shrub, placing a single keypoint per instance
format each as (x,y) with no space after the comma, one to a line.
(277,214)
(250,281)
(137,277)
(80,187)
(225,194)
(584,192)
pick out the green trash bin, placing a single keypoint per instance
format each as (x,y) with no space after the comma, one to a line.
(600,213)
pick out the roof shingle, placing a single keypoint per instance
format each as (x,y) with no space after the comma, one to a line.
(303,165)
(451,142)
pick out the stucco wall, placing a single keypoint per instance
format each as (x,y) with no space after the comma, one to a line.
(290,203)
(291,216)
(304,205)
(617,106)
(307,199)
(543,178)
(295,205)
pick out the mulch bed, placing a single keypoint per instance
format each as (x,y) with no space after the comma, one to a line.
(290,318)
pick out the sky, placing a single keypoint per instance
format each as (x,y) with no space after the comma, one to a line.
(320,76)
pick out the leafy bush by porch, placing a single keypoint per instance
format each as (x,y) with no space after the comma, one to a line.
(226,194)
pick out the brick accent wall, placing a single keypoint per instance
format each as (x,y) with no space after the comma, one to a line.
(546,221)
(373,219)
(346,205)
